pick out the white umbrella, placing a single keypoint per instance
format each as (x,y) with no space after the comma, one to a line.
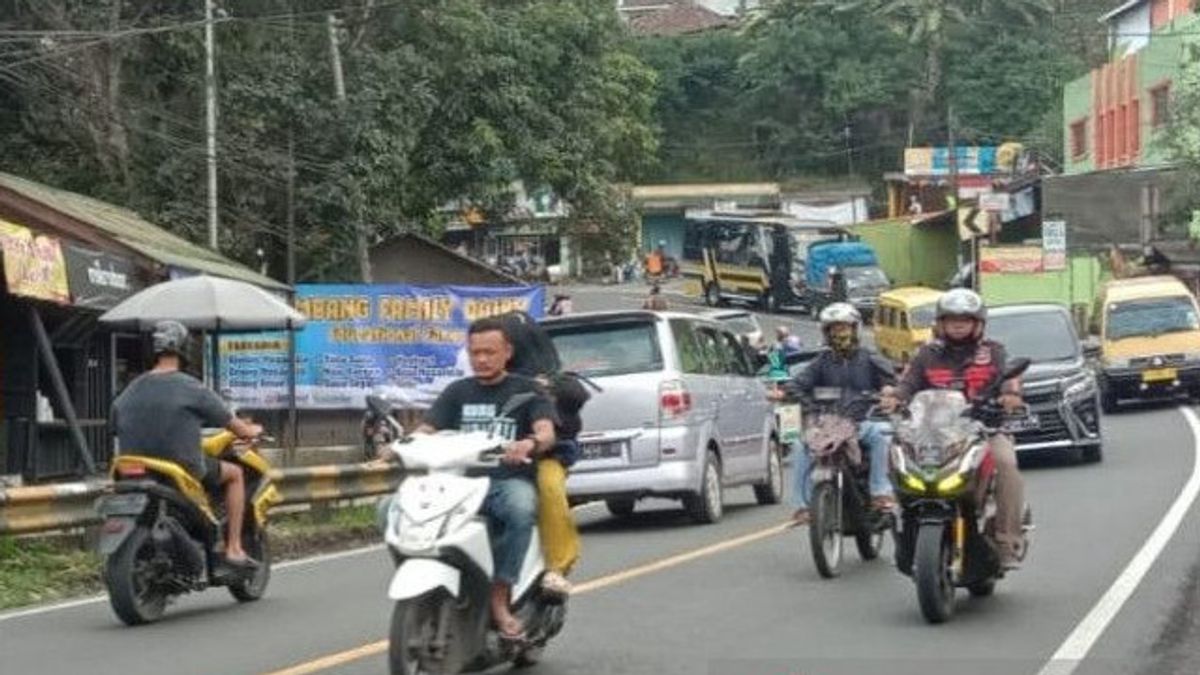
(206,303)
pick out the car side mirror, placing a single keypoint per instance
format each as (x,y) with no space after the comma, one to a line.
(1092,347)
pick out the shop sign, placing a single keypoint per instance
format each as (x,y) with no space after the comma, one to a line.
(1010,260)
(99,280)
(33,264)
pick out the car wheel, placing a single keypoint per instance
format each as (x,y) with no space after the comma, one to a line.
(621,508)
(1108,399)
(707,506)
(771,492)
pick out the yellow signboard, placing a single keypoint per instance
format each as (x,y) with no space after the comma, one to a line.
(33,264)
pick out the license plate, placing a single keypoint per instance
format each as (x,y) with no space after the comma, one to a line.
(1160,375)
(599,450)
(788,417)
(130,504)
(1028,423)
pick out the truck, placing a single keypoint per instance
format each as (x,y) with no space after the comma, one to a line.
(841,271)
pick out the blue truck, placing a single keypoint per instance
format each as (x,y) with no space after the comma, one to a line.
(841,271)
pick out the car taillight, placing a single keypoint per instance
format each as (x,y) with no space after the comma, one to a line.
(674,399)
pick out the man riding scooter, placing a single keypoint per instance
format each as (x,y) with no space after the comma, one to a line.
(162,413)
(961,357)
(855,370)
(471,404)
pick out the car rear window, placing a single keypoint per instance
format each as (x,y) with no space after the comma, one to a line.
(609,348)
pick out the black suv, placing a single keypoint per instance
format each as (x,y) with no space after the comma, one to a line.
(1060,387)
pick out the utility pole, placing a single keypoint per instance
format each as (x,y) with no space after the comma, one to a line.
(210,110)
(361,243)
(849,150)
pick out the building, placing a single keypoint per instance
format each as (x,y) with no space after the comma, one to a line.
(1117,177)
(68,258)
(676,17)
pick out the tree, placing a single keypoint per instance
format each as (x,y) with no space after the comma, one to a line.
(1183,134)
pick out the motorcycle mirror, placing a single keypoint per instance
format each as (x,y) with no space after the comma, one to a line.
(1018,368)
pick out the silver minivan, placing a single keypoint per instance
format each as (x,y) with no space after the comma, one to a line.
(680,415)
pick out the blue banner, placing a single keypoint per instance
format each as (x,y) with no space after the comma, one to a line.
(404,343)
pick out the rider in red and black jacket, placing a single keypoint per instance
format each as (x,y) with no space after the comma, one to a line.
(961,358)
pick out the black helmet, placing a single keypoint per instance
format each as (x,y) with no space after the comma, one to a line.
(170,337)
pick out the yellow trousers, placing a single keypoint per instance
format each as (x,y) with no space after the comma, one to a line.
(556,525)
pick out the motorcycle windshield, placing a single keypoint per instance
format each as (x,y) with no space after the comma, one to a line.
(936,428)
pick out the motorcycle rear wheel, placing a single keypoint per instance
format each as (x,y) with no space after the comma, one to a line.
(869,543)
(126,574)
(414,624)
(825,530)
(931,571)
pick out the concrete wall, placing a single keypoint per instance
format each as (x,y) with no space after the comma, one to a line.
(909,254)
(1105,207)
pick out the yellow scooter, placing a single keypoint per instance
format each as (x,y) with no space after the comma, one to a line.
(163,534)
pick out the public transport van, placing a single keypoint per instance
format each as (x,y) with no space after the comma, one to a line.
(904,321)
(1149,340)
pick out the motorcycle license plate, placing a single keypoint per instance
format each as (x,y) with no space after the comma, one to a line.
(130,504)
(1159,375)
(788,418)
(599,450)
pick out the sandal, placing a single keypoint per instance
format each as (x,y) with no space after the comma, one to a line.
(556,584)
(883,503)
(509,634)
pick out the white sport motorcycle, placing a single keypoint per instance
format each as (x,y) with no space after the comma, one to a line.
(441,622)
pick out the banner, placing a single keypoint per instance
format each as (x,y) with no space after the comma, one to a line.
(1010,259)
(99,280)
(968,161)
(404,343)
(33,265)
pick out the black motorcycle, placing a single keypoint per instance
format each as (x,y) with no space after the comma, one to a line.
(942,468)
(840,503)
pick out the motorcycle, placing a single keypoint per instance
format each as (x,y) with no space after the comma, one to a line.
(375,430)
(163,535)
(841,498)
(943,471)
(441,620)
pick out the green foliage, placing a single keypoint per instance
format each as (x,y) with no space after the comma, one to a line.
(1183,135)
(445,100)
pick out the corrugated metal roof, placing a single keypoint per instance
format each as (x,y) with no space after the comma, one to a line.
(707,190)
(130,229)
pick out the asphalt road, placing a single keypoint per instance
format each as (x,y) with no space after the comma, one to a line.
(752,605)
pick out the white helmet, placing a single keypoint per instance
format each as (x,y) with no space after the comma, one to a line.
(840,312)
(961,302)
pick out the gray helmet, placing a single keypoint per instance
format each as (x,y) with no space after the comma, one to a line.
(840,312)
(961,302)
(170,337)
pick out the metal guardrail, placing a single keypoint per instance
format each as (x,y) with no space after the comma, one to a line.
(62,506)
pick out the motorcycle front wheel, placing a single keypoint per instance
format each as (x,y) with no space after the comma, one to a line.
(254,587)
(931,571)
(825,529)
(129,576)
(414,627)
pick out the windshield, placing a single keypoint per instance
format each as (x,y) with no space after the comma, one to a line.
(740,323)
(1038,336)
(608,349)
(1151,317)
(865,277)
(923,316)
(936,427)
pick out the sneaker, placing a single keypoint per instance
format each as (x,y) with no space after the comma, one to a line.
(883,503)
(556,584)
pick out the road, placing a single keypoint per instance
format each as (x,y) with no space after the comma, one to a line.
(753,604)
(658,595)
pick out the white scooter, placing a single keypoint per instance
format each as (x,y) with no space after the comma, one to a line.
(441,622)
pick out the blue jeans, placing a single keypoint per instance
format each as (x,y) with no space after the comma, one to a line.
(511,510)
(873,438)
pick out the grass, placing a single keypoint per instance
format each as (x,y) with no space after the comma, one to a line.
(35,570)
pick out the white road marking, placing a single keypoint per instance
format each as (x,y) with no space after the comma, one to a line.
(1077,645)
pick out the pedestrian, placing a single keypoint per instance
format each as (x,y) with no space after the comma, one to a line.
(655,301)
(561,305)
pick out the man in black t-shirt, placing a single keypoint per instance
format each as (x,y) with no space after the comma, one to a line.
(472,404)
